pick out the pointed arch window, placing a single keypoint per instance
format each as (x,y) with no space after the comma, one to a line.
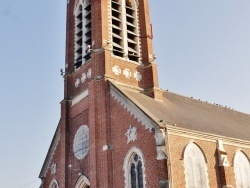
(134,169)
(83,39)
(82,182)
(242,170)
(125,32)
(54,184)
(195,167)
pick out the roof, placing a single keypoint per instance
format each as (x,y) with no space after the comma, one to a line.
(192,114)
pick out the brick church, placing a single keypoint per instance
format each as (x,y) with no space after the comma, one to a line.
(118,129)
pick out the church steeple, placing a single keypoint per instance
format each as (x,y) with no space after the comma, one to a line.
(113,38)
(108,47)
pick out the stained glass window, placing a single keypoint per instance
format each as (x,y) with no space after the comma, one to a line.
(136,172)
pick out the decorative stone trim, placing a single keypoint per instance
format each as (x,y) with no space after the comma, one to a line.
(89,73)
(222,154)
(83,78)
(127,73)
(54,184)
(206,136)
(50,154)
(131,108)
(160,144)
(53,168)
(82,182)
(77,82)
(131,134)
(79,97)
(116,70)
(137,76)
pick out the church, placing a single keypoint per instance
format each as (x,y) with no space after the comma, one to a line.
(119,129)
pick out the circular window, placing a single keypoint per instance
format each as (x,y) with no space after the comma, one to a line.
(81,142)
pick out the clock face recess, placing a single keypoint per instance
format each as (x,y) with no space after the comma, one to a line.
(81,142)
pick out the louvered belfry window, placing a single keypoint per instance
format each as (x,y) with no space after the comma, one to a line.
(82,33)
(125,37)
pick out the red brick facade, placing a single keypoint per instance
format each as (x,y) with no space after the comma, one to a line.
(89,101)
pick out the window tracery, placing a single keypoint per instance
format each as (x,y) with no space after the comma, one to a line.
(54,184)
(195,167)
(82,182)
(242,170)
(134,169)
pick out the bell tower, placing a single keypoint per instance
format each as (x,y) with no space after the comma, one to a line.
(107,41)
(113,39)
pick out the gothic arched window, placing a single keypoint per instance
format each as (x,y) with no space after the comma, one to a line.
(54,184)
(134,169)
(242,170)
(83,40)
(125,32)
(82,182)
(195,167)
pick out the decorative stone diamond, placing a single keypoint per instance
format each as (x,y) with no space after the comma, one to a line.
(137,76)
(77,82)
(127,73)
(116,70)
(83,78)
(89,73)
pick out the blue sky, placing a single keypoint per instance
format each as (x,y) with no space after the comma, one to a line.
(202,50)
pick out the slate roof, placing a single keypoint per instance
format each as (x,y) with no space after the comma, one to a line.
(192,114)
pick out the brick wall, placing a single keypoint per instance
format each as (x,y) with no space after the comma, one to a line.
(120,122)
(216,177)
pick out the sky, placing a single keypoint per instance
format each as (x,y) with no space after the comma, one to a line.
(202,50)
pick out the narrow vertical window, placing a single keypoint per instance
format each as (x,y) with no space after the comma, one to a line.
(140,175)
(195,167)
(117,34)
(125,37)
(82,33)
(133,176)
(132,35)
(242,170)
(78,37)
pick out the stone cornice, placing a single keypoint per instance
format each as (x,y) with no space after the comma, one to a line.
(206,136)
